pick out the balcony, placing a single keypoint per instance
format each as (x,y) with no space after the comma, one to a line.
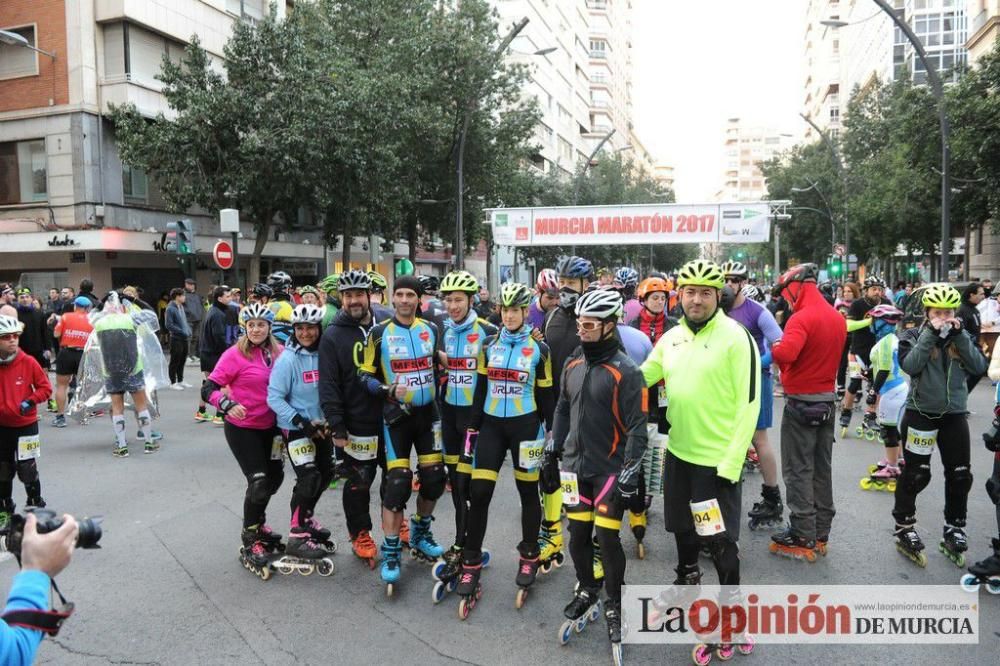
(597,5)
(145,95)
(598,55)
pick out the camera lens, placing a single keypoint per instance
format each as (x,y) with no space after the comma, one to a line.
(89,533)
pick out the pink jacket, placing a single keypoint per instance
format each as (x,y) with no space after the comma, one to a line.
(247,380)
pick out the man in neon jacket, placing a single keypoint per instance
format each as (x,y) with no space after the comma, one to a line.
(710,368)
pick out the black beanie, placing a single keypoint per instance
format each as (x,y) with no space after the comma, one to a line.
(407,282)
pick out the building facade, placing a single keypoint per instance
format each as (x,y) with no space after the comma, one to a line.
(69,208)
(823,69)
(747,146)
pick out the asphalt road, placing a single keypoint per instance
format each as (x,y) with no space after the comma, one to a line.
(167,588)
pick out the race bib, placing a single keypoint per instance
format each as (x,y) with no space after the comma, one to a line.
(28,447)
(661,395)
(707,518)
(853,369)
(302,451)
(570,488)
(530,454)
(277,447)
(362,448)
(921,442)
(436,430)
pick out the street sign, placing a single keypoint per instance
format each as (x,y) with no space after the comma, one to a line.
(223,255)
(839,250)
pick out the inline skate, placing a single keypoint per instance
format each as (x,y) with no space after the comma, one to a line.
(752,462)
(423,547)
(613,617)
(869,428)
(319,534)
(767,513)
(673,601)
(702,653)
(469,589)
(447,569)
(304,555)
(845,422)
(986,572)
(909,544)
(637,522)
(527,569)
(581,611)
(550,544)
(391,560)
(254,554)
(788,544)
(883,478)
(364,548)
(954,544)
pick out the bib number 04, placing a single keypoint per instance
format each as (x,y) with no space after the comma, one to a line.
(707,518)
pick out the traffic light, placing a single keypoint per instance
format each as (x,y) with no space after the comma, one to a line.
(835,268)
(180,237)
(912,270)
(739,256)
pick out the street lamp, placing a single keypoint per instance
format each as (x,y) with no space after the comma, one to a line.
(937,88)
(15,39)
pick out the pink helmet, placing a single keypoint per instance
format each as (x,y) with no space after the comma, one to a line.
(890,313)
(547,281)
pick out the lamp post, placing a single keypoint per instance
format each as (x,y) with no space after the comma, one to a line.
(460,162)
(15,39)
(937,88)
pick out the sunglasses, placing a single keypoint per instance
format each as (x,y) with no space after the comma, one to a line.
(10,336)
(588,326)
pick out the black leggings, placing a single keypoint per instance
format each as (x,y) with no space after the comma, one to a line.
(311,478)
(596,510)
(252,449)
(454,424)
(953,444)
(496,437)
(27,470)
(358,476)
(178,356)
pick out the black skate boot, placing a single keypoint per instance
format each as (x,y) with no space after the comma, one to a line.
(254,554)
(954,544)
(789,544)
(909,544)
(985,572)
(768,512)
(469,590)
(845,422)
(583,609)
(613,617)
(527,570)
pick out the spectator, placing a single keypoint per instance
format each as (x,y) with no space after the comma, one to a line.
(66,298)
(988,287)
(233,329)
(968,312)
(176,323)
(989,310)
(486,307)
(195,311)
(53,302)
(87,291)
(212,344)
(34,338)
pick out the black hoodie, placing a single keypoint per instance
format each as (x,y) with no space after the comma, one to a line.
(347,406)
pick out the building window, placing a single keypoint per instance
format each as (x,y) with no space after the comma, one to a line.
(22,172)
(17,61)
(135,186)
(253,10)
(598,48)
(834,114)
(134,54)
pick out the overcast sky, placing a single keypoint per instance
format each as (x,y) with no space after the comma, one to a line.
(697,63)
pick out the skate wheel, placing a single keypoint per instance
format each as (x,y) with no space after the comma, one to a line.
(264,572)
(969,583)
(595,612)
(866,484)
(306,570)
(616,653)
(725,652)
(520,598)
(437,594)
(993,586)
(566,632)
(464,608)
(389,589)
(843,432)
(810,555)
(773,547)
(331,547)
(746,648)
(559,559)
(545,568)
(325,567)
(640,550)
(701,654)
(579,625)
(486,557)
(438,568)
(285,569)
(891,487)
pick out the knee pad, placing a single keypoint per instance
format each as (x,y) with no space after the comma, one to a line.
(360,476)
(432,481)
(6,471)
(27,471)
(959,479)
(309,480)
(993,489)
(398,487)
(890,435)
(258,489)
(915,478)
(725,555)
(274,481)
(870,398)
(854,386)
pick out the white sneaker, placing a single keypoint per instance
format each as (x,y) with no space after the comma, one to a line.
(186,385)
(177,387)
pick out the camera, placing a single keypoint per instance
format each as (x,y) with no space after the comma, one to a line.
(48,521)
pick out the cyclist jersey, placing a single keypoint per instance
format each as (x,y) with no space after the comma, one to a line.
(281,329)
(514,364)
(401,354)
(463,342)
(73,330)
(885,358)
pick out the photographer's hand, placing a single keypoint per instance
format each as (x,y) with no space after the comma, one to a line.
(49,553)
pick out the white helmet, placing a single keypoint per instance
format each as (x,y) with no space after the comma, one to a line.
(10,324)
(600,303)
(307,314)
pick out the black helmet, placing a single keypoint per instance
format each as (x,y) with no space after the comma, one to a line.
(261,290)
(279,281)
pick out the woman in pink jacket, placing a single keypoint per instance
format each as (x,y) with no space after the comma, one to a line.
(238,388)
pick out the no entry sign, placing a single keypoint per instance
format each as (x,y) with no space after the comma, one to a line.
(223,255)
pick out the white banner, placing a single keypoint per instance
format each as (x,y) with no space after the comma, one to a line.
(658,224)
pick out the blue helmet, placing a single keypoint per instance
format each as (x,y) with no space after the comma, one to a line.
(575,267)
(627,277)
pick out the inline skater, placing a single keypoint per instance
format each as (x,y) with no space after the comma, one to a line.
(706,362)
(626,280)
(765,332)
(399,367)
(560,334)
(293,395)
(546,297)
(939,357)
(891,386)
(862,341)
(462,341)
(512,412)
(599,433)
(244,370)
(281,305)
(331,305)
(309,295)
(23,385)
(72,331)
(352,414)
(431,307)
(987,570)
(379,287)
(653,322)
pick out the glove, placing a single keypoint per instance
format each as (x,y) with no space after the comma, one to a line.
(26,406)
(226,403)
(307,427)
(628,479)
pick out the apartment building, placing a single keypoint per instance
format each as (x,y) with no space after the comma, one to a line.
(747,146)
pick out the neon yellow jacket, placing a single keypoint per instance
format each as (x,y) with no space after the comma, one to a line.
(712,384)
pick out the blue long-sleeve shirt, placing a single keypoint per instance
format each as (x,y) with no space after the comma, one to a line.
(294,387)
(175,321)
(18,645)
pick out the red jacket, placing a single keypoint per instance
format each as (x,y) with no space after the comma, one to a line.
(808,353)
(21,379)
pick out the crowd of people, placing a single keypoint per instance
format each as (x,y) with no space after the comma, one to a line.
(601,386)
